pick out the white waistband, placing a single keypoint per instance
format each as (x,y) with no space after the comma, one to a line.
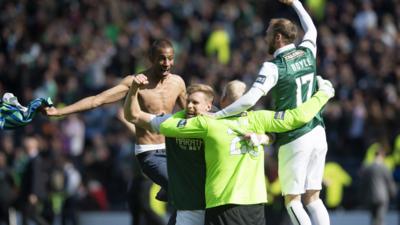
(145,148)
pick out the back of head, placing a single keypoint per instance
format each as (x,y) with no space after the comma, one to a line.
(285,27)
(233,90)
(207,90)
(158,45)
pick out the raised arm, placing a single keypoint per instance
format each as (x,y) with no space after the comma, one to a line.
(284,121)
(132,111)
(121,117)
(109,96)
(310,31)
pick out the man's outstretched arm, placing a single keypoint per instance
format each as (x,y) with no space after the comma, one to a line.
(245,102)
(179,127)
(265,81)
(109,96)
(291,119)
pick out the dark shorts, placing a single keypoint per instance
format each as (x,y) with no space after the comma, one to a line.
(154,166)
(235,215)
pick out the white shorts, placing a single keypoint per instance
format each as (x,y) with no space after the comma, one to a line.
(302,162)
(190,217)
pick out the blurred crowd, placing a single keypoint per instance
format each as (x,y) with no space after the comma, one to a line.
(70,49)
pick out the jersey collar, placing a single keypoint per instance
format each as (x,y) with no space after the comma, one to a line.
(283,49)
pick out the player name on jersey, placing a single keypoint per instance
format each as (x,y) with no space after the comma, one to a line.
(301,64)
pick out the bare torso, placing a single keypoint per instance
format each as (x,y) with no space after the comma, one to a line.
(159,97)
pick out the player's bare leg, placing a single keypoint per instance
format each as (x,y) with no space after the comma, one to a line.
(316,208)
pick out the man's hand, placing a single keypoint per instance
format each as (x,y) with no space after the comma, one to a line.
(325,86)
(287,2)
(51,111)
(139,80)
(258,139)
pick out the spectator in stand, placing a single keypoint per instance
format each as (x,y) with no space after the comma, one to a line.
(8,192)
(377,187)
(35,193)
(69,214)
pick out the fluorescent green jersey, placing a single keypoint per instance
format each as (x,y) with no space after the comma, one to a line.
(235,170)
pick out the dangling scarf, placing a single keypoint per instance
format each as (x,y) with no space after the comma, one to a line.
(13,115)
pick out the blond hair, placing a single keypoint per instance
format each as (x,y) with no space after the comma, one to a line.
(207,90)
(284,27)
(234,90)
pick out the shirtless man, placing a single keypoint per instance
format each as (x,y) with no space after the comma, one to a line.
(159,96)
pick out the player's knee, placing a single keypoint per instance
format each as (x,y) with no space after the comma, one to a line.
(310,196)
(290,198)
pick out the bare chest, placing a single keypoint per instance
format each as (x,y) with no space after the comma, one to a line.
(159,99)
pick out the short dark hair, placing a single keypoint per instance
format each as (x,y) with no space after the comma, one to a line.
(157,45)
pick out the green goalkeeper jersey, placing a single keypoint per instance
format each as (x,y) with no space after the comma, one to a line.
(186,172)
(234,169)
(296,84)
